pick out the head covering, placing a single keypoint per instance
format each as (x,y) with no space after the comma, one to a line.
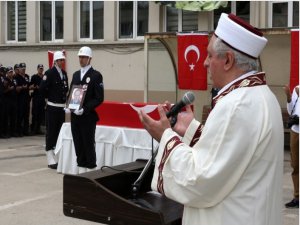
(3,69)
(40,66)
(85,51)
(9,69)
(16,66)
(240,35)
(58,55)
(22,65)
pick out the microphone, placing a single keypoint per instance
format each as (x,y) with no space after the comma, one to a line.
(187,99)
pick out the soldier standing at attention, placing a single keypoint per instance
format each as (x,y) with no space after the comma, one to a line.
(2,77)
(83,120)
(38,101)
(23,100)
(54,87)
(10,102)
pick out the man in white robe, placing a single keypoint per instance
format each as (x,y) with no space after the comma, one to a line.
(228,171)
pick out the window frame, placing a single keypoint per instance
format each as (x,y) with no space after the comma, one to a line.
(134,27)
(180,20)
(289,13)
(16,24)
(91,21)
(233,11)
(53,39)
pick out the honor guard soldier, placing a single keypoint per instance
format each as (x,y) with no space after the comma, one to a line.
(83,120)
(54,87)
(16,69)
(2,76)
(38,101)
(23,100)
(10,102)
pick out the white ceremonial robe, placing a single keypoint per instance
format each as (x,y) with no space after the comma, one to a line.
(233,174)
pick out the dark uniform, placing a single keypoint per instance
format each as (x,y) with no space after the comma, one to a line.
(55,89)
(83,127)
(2,77)
(38,105)
(23,102)
(10,109)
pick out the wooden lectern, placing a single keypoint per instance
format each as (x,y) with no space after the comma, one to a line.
(106,197)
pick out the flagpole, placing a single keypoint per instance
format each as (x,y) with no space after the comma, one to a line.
(146,66)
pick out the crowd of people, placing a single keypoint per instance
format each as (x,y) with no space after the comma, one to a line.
(18,94)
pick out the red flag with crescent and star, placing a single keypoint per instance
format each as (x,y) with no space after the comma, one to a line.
(192,52)
(294,73)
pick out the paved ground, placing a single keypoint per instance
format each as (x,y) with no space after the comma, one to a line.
(31,194)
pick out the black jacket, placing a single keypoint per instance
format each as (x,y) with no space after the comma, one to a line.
(53,87)
(94,94)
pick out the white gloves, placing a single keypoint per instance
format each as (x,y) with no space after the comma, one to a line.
(67,110)
(79,112)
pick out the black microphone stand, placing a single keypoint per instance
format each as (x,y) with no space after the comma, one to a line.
(137,184)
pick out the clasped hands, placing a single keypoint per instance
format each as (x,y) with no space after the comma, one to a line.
(77,112)
(156,128)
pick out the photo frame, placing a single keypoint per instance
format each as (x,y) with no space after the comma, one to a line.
(76,97)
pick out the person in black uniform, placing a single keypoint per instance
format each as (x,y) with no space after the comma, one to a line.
(16,69)
(38,101)
(23,100)
(10,102)
(54,87)
(83,120)
(2,77)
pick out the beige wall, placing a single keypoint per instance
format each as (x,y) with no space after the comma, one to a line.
(124,73)
(276,62)
(122,62)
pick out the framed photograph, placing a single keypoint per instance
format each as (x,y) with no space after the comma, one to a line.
(76,97)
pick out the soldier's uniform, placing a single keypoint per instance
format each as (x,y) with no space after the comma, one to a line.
(38,103)
(83,127)
(23,102)
(54,87)
(16,69)
(2,76)
(10,102)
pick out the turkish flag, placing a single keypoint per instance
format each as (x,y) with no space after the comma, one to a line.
(192,52)
(50,59)
(294,74)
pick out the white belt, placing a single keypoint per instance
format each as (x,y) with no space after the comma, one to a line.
(56,104)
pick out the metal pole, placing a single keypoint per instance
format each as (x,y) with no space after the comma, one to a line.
(146,74)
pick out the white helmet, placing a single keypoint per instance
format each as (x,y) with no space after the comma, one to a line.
(58,55)
(85,51)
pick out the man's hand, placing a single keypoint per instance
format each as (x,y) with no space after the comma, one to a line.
(67,110)
(155,128)
(79,112)
(183,121)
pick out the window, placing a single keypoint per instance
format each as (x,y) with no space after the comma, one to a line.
(280,15)
(51,19)
(133,18)
(239,8)
(16,21)
(91,19)
(283,14)
(172,19)
(181,20)
(189,20)
(296,14)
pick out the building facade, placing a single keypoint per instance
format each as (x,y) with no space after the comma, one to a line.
(115,31)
